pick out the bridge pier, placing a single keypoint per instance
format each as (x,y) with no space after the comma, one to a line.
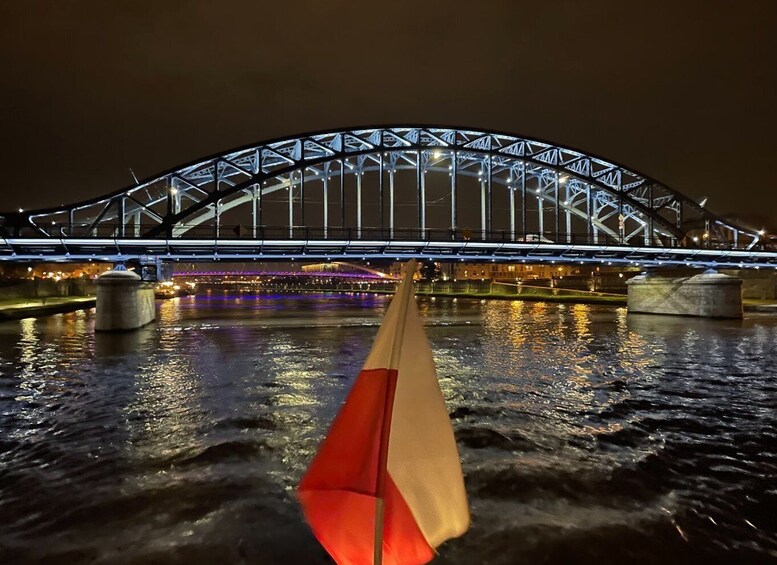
(124,301)
(708,295)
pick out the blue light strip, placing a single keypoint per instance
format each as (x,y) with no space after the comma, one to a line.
(111,250)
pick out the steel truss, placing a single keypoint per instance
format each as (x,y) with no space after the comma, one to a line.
(528,194)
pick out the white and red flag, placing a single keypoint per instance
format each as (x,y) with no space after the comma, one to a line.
(386,483)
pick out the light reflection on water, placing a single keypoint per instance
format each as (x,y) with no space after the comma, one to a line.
(587,435)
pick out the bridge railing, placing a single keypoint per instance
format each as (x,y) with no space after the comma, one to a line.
(307,233)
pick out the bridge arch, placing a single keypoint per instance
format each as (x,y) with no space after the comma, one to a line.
(396,182)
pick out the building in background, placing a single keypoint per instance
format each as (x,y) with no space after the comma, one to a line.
(572,276)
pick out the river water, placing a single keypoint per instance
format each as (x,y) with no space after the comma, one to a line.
(587,436)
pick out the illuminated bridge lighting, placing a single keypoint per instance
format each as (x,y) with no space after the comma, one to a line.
(282,274)
(402,191)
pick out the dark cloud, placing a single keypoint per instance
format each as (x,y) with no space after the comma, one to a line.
(683,91)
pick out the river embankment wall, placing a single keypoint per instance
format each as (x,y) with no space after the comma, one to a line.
(46,288)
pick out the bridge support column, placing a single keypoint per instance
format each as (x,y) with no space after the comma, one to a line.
(291,206)
(511,192)
(326,204)
(391,203)
(124,301)
(422,198)
(567,213)
(483,208)
(359,204)
(708,295)
(254,219)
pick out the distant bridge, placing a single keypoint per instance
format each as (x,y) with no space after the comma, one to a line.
(285,274)
(390,192)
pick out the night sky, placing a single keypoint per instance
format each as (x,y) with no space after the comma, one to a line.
(682,91)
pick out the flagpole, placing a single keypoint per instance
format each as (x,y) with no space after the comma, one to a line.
(396,348)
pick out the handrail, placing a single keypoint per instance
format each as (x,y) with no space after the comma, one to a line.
(305,233)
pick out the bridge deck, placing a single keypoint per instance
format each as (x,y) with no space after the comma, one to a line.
(123,249)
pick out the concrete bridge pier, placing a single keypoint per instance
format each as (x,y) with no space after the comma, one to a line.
(709,295)
(124,301)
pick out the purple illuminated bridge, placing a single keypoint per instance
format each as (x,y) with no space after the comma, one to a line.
(283,274)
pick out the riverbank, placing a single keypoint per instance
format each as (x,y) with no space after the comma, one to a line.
(571,298)
(759,305)
(20,308)
(527,294)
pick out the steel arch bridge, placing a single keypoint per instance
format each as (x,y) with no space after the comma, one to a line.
(392,192)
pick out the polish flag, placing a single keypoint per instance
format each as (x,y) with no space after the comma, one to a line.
(386,486)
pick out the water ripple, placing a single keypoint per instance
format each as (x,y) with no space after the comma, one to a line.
(586,435)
